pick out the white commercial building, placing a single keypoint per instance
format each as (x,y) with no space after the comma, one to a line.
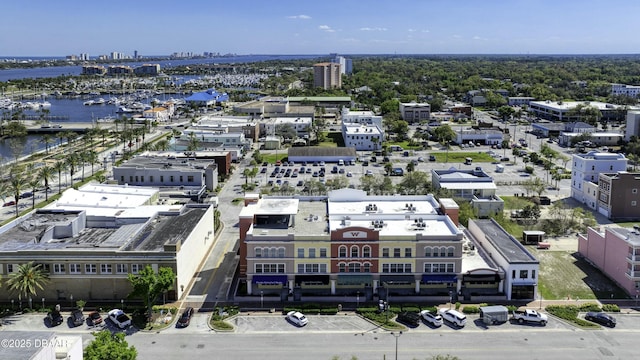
(302,125)
(587,167)
(362,130)
(518,268)
(626,90)
(563,110)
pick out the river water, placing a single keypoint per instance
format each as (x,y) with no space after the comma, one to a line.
(73,110)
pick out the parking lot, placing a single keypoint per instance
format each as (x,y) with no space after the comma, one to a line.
(246,323)
(508,178)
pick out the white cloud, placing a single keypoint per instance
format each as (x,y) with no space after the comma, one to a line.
(303,17)
(373,29)
(479,38)
(412,30)
(326,28)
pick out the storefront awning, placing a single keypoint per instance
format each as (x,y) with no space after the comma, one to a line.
(324,279)
(270,279)
(481,278)
(390,279)
(354,279)
(439,278)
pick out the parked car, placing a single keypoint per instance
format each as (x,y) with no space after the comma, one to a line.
(432,318)
(119,318)
(297,318)
(185,318)
(95,318)
(456,318)
(77,317)
(409,318)
(55,318)
(10,203)
(432,158)
(601,318)
(26,195)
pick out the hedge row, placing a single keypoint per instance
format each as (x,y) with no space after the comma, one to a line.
(570,313)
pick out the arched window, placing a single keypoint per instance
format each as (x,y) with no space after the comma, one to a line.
(443,251)
(258,252)
(366,251)
(427,251)
(342,251)
(450,251)
(366,267)
(355,252)
(436,251)
(342,267)
(281,252)
(272,252)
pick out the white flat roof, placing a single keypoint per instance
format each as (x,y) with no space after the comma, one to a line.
(469,185)
(267,206)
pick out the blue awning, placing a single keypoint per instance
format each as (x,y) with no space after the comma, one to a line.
(270,279)
(439,278)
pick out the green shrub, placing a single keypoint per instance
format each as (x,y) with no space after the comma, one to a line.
(411,308)
(590,307)
(512,308)
(458,305)
(569,313)
(470,309)
(528,169)
(610,308)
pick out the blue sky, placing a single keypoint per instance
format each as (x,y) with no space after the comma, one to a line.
(160,27)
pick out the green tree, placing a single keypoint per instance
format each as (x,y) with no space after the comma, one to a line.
(27,280)
(414,183)
(444,134)
(506,112)
(148,284)
(17,184)
(109,346)
(59,167)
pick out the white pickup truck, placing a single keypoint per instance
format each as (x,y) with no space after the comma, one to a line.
(531,316)
(119,318)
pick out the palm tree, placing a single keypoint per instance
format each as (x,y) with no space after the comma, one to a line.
(92,158)
(46,173)
(162,145)
(27,280)
(16,185)
(72,161)
(34,183)
(47,140)
(60,166)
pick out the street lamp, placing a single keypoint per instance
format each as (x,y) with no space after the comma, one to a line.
(30,303)
(358,299)
(122,303)
(396,335)
(11,304)
(42,304)
(261,299)
(450,298)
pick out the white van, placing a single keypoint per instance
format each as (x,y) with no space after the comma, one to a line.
(454,317)
(499,168)
(341,162)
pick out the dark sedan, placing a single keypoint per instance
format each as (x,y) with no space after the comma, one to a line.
(601,318)
(185,318)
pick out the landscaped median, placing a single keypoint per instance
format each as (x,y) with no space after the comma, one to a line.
(570,313)
(220,315)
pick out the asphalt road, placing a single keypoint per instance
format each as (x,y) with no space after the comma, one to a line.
(270,336)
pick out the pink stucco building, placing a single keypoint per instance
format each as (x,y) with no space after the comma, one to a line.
(616,252)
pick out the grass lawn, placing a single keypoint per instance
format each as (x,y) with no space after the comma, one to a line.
(563,275)
(272,158)
(515,203)
(455,157)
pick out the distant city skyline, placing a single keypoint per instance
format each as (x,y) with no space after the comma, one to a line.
(162,27)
